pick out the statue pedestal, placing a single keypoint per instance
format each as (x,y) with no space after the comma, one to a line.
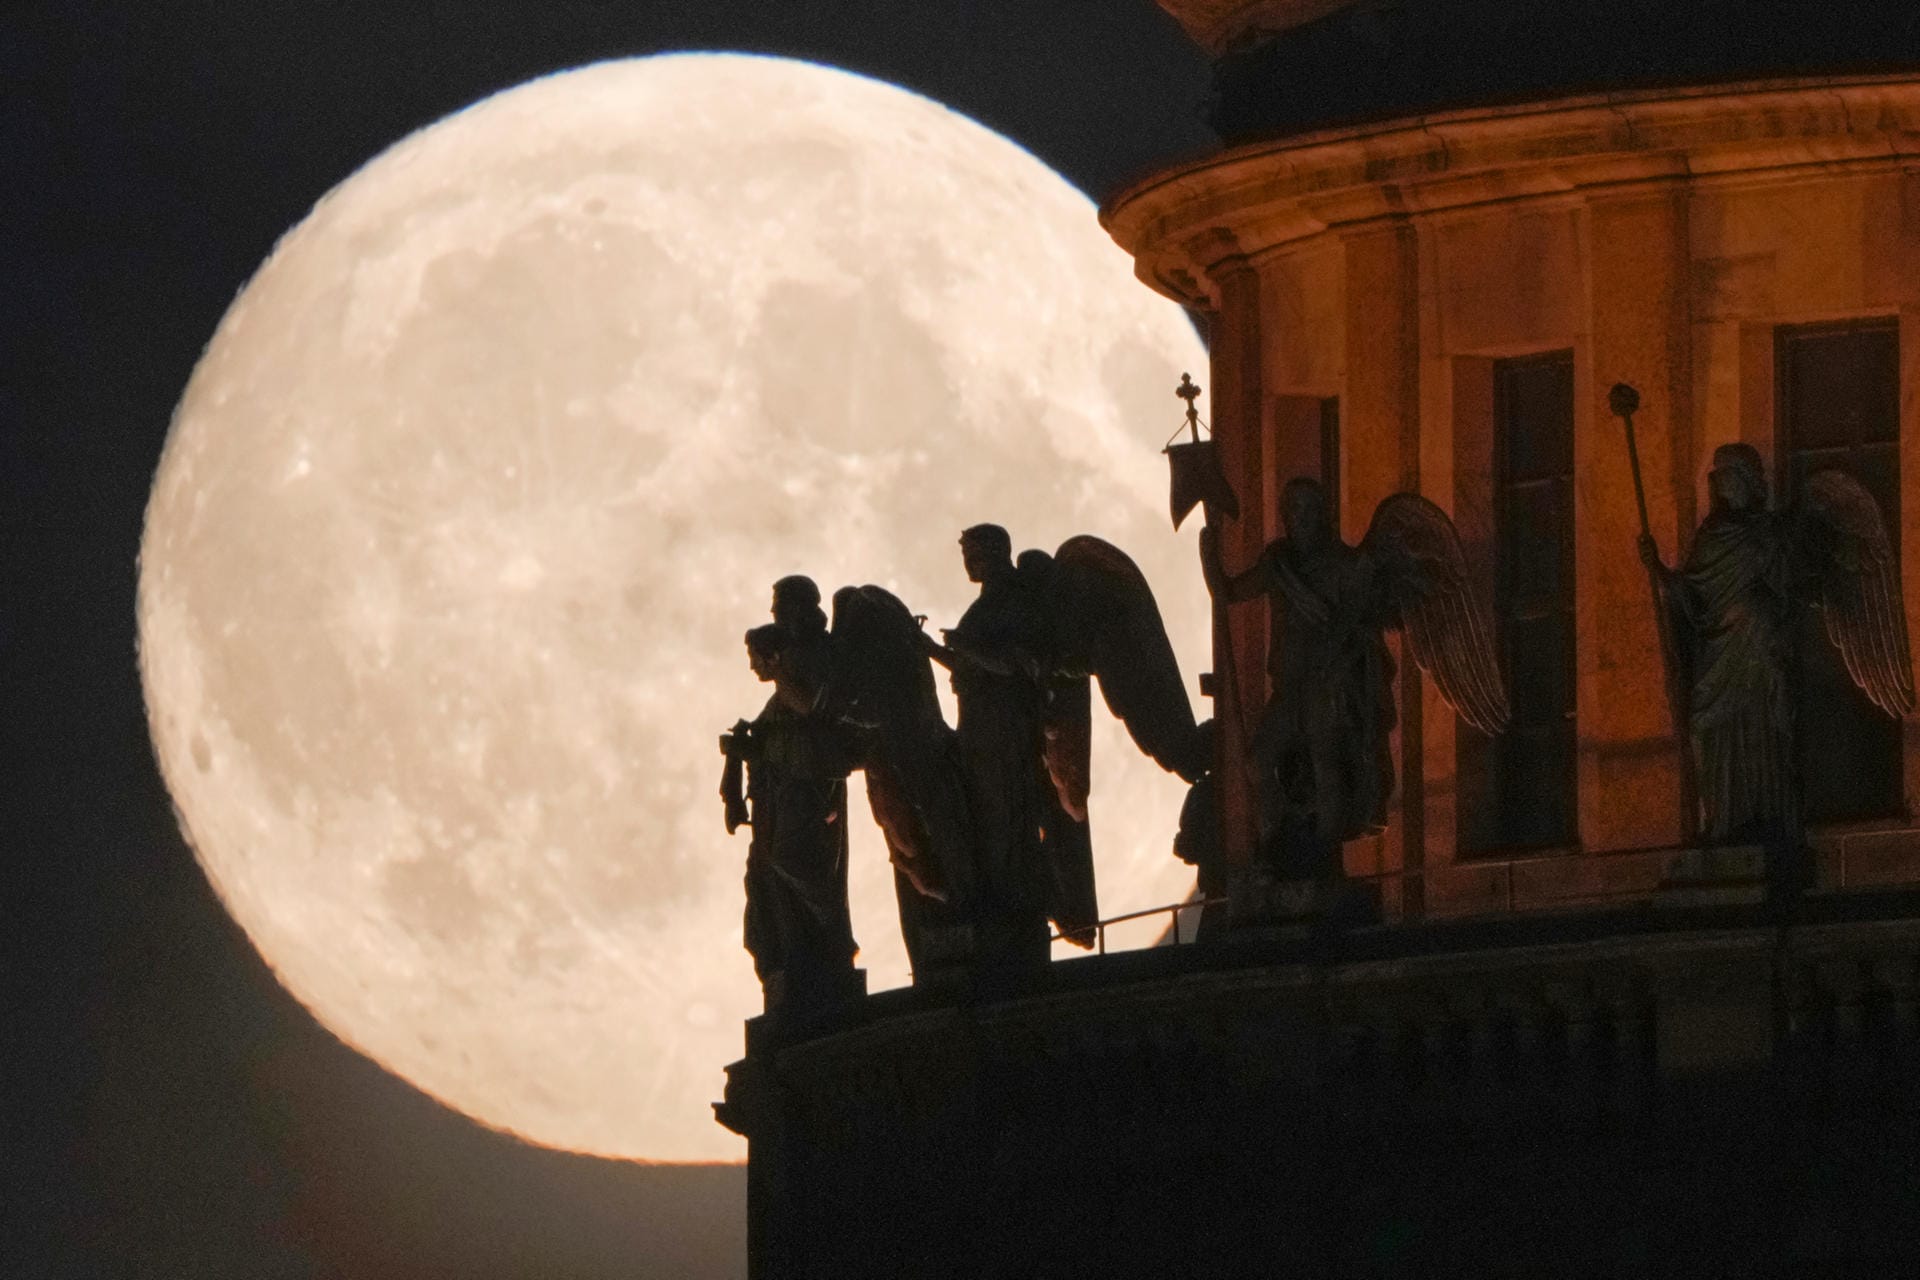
(1262,905)
(804,1008)
(1729,875)
(942,955)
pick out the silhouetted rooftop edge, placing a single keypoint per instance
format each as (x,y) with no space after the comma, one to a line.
(1380,59)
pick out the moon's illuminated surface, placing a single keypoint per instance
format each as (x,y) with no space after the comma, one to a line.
(484,474)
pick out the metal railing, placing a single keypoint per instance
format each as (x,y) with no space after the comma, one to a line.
(1497,873)
(1552,880)
(1172,910)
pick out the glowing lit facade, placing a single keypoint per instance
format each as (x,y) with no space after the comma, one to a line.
(1572,1044)
(1455,288)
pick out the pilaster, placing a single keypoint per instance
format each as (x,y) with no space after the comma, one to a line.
(1238,397)
(1380,428)
(1639,333)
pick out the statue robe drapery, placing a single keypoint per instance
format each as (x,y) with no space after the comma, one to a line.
(1000,732)
(1734,598)
(1323,744)
(797,922)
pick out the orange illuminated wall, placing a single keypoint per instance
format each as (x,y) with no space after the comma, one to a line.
(1381,295)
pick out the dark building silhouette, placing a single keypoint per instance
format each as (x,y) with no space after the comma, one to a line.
(1561,1037)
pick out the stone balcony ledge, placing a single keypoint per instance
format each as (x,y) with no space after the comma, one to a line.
(1543,941)
(1216,1108)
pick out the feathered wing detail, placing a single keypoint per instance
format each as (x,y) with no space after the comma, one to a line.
(1421,572)
(1841,539)
(1109,627)
(883,690)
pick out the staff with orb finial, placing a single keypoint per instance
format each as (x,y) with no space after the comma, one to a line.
(1624,400)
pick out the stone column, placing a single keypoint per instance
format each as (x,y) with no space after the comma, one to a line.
(1380,426)
(1237,398)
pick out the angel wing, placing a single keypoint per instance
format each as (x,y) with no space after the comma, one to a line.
(880,672)
(1842,543)
(883,690)
(1109,627)
(1100,622)
(1422,576)
(1066,744)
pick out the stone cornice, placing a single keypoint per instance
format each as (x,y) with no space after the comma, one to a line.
(1185,225)
(1521,947)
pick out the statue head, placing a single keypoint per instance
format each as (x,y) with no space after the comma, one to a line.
(1033,562)
(796,605)
(1303,508)
(987,551)
(1738,481)
(764,646)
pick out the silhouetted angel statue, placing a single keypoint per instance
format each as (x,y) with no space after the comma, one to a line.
(884,700)
(1022,656)
(797,925)
(1323,765)
(1732,605)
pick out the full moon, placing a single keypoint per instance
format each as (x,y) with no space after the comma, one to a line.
(484,474)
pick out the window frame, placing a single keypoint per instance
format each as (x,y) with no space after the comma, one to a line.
(1493,835)
(1892,805)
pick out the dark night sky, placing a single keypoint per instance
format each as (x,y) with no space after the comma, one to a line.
(169,1111)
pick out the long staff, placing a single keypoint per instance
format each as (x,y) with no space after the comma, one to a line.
(1198,481)
(1624,400)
